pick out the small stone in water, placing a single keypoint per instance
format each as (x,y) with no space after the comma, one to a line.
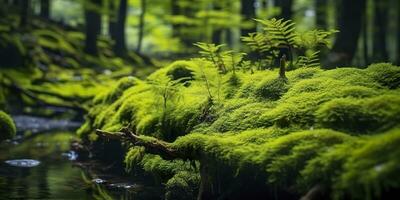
(71,155)
(23,163)
(98,181)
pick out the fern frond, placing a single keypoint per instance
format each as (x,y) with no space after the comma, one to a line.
(311,60)
(315,38)
(282,33)
(213,53)
(257,42)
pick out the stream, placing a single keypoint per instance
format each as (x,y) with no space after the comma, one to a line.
(51,171)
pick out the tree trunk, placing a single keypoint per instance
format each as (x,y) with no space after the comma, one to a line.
(365,38)
(141,25)
(175,10)
(120,42)
(248,11)
(379,48)
(217,32)
(398,33)
(286,9)
(24,12)
(349,24)
(112,19)
(45,9)
(320,14)
(93,26)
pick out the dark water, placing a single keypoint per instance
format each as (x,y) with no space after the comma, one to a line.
(57,177)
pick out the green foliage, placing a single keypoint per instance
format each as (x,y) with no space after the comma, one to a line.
(280,37)
(281,32)
(214,54)
(311,60)
(7,126)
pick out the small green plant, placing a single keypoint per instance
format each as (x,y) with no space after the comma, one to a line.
(214,54)
(262,49)
(279,37)
(311,60)
(166,88)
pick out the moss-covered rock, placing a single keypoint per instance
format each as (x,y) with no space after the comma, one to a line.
(7,126)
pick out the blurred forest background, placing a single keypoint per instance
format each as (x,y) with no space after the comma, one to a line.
(167,29)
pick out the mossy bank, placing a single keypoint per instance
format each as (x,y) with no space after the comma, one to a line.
(246,134)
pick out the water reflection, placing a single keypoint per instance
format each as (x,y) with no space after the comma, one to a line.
(57,177)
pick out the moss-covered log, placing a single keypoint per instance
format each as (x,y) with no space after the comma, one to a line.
(263,137)
(152,145)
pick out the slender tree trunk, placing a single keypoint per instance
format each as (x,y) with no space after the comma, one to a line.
(217,32)
(320,17)
(398,34)
(248,11)
(120,42)
(112,19)
(45,9)
(24,12)
(93,26)
(379,48)
(365,37)
(349,24)
(141,25)
(175,10)
(286,9)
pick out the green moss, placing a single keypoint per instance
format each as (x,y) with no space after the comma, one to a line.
(271,88)
(183,185)
(360,115)
(262,128)
(7,126)
(385,74)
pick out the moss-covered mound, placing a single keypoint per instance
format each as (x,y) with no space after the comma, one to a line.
(7,126)
(259,135)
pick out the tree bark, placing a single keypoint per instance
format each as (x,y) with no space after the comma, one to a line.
(45,9)
(93,26)
(365,38)
(217,32)
(175,10)
(24,12)
(398,34)
(112,19)
(286,9)
(349,24)
(120,41)
(248,11)
(379,48)
(141,25)
(320,14)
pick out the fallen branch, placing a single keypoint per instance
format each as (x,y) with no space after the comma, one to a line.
(151,145)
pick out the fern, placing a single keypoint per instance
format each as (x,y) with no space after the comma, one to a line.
(262,46)
(315,38)
(311,60)
(167,89)
(214,54)
(257,42)
(281,34)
